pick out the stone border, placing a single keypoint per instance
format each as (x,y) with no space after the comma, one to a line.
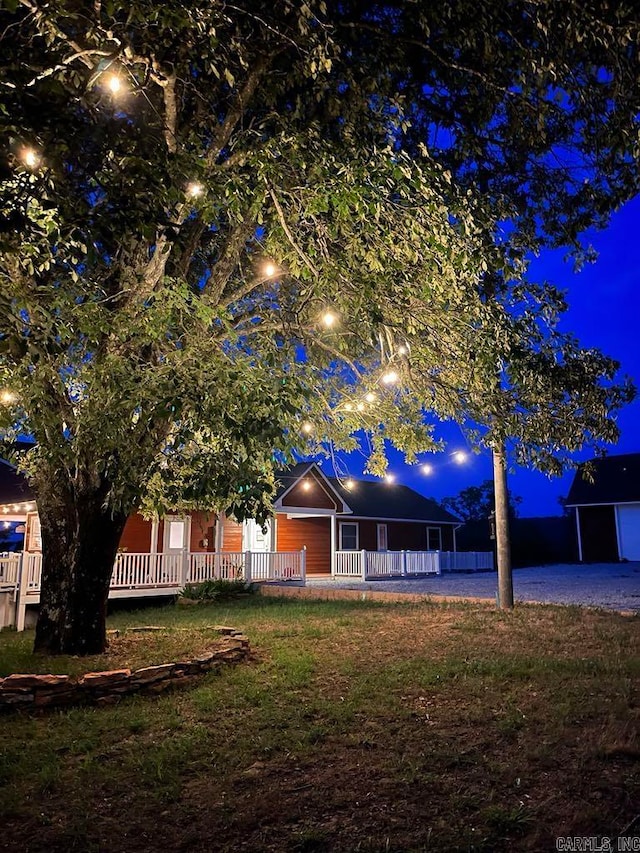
(35,692)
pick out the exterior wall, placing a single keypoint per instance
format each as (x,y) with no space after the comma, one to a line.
(203,533)
(136,536)
(231,536)
(598,534)
(402,535)
(294,533)
(315,497)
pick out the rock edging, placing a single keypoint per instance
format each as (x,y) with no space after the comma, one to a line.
(35,692)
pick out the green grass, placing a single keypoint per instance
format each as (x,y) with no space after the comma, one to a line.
(355,726)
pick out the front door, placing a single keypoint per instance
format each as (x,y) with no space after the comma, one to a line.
(176,534)
(253,537)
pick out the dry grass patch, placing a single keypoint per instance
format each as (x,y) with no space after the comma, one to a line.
(356,727)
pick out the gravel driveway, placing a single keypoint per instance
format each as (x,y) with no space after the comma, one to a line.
(612,585)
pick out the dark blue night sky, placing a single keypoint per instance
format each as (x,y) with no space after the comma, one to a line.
(604,312)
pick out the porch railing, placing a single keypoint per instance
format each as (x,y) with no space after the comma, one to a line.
(399,564)
(171,571)
(9,570)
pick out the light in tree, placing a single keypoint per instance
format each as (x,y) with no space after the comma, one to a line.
(30,158)
(270,269)
(360,407)
(349,484)
(194,189)
(459,457)
(390,478)
(349,407)
(329,319)
(8,397)
(390,378)
(403,349)
(370,397)
(114,84)
(307,428)
(427,469)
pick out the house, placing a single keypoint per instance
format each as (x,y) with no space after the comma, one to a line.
(321,526)
(607,510)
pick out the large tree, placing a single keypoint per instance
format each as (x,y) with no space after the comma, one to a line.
(156,156)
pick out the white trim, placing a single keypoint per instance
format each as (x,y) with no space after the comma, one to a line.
(324,484)
(357,527)
(334,545)
(155,525)
(606,503)
(379,527)
(430,527)
(615,515)
(579,534)
(308,511)
(405,520)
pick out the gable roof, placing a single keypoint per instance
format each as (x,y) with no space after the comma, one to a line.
(374,499)
(616,480)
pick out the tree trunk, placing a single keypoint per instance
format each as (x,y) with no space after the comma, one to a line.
(79,541)
(503,545)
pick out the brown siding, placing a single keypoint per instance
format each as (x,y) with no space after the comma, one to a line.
(598,532)
(136,536)
(231,536)
(315,497)
(202,527)
(294,533)
(402,535)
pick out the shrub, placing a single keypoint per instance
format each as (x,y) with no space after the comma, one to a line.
(216,590)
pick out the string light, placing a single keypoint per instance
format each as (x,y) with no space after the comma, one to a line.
(30,158)
(194,189)
(390,478)
(348,407)
(114,84)
(270,269)
(349,484)
(360,407)
(390,377)
(460,457)
(306,485)
(427,469)
(8,397)
(307,427)
(370,397)
(329,319)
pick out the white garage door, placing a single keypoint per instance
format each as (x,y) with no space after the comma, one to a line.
(629,531)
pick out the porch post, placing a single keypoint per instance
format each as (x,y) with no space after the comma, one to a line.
(579,535)
(403,567)
(153,545)
(363,564)
(333,544)
(247,566)
(303,565)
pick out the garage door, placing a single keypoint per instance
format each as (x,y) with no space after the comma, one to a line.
(629,531)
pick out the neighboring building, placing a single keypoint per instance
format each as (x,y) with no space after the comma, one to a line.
(312,511)
(607,510)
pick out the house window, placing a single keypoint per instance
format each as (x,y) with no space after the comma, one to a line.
(383,542)
(434,539)
(348,536)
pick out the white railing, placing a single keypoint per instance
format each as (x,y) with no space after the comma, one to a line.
(165,571)
(386,564)
(219,566)
(138,570)
(9,570)
(349,564)
(466,561)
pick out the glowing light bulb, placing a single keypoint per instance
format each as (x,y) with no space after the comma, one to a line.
(370,398)
(8,397)
(270,269)
(114,84)
(329,319)
(30,158)
(427,469)
(390,377)
(460,457)
(389,478)
(360,407)
(348,407)
(402,350)
(194,189)
(306,485)
(349,484)
(307,427)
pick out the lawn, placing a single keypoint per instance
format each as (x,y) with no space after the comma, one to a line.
(356,726)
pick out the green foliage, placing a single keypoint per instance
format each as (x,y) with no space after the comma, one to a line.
(217,590)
